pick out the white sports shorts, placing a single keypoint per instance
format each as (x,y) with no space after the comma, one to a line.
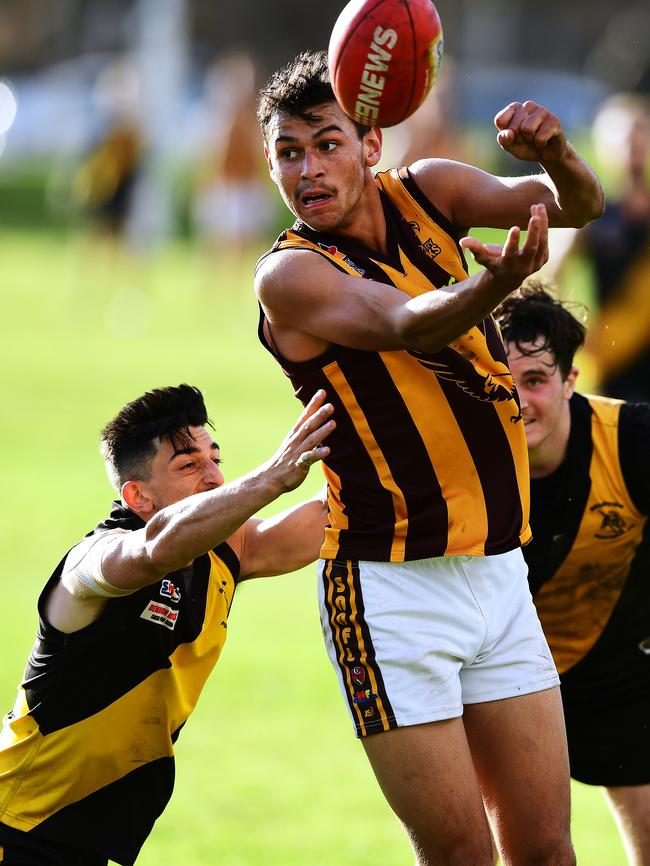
(412,642)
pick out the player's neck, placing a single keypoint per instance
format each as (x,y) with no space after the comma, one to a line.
(367,222)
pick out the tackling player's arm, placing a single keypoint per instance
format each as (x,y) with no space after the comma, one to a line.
(283,543)
(310,304)
(114,564)
(569,188)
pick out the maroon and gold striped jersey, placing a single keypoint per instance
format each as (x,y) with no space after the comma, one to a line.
(428,457)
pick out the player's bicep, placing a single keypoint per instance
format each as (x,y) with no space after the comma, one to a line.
(469,196)
(300,290)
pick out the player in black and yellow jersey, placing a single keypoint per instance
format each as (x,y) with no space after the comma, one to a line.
(589,558)
(424,601)
(132,621)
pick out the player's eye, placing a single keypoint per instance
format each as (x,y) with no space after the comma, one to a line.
(217,461)
(329,146)
(188,465)
(288,153)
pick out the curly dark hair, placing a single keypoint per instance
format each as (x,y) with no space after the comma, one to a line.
(533,315)
(296,88)
(128,442)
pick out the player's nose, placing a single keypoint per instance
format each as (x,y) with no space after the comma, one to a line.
(212,475)
(311,165)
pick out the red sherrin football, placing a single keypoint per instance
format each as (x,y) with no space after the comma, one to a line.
(384,56)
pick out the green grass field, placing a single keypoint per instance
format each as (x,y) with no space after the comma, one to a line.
(268,771)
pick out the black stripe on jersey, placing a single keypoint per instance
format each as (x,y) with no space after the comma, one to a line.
(94,822)
(491,453)
(93,667)
(406,454)
(229,558)
(564,493)
(350,460)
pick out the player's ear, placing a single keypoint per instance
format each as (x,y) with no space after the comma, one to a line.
(372,142)
(135,496)
(570,382)
(267,157)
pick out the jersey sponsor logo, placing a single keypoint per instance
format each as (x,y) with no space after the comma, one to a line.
(334,251)
(429,247)
(358,673)
(170,590)
(161,614)
(612,523)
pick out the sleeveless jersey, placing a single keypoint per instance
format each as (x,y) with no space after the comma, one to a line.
(587,557)
(429,456)
(87,753)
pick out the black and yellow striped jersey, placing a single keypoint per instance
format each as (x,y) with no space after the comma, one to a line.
(428,457)
(590,556)
(87,752)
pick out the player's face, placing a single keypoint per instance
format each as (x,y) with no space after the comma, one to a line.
(176,474)
(321,166)
(544,396)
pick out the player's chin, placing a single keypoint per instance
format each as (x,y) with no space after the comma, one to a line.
(319,221)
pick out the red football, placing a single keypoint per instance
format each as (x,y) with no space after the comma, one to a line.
(384,56)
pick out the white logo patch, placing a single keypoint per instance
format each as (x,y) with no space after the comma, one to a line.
(155,611)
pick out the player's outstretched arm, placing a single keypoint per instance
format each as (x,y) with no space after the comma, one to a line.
(568,187)
(310,305)
(178,533)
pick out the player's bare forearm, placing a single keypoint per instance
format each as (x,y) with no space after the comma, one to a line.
(180,532)
(529,131)
(433,320)
(578,193)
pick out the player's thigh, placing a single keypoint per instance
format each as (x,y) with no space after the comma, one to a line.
(427,775)
(520,753)
(631,808)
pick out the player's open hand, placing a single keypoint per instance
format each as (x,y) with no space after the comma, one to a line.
(529,131)
(303,446)
(509,264)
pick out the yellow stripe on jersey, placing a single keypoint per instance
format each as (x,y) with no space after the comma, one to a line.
(453,458)
(337,379)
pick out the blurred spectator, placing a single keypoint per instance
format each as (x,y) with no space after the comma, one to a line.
(232,208)
(618,247)
(103,184)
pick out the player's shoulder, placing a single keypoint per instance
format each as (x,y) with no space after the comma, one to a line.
(286,268)
(94,544)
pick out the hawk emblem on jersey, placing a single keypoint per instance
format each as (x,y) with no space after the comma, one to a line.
(429,247)
(612,523)
(450,365)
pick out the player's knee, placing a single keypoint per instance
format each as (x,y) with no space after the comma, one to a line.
(455,852)
(553,852)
